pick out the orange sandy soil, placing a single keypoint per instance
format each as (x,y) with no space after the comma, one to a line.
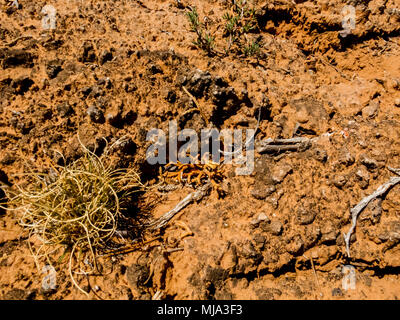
(130,59)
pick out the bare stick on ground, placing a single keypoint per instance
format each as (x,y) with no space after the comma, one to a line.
(355,211)
(281,145)
(194,196)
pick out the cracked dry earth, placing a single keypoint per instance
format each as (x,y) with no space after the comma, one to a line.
(116,68)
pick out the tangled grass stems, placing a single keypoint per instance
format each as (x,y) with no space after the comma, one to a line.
(79,207)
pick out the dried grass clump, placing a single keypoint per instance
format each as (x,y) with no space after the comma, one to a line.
(78,207)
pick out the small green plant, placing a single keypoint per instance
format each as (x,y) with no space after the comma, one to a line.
(239,22)
(204,40)
(77,208)
(193,17)
(251,49)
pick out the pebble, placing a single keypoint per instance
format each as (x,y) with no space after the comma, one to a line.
(199,82)
(295,246)
(137,275)
(260,218)
(64,109)
(363,177)
(10,58)
(329,234)
(53,68)
(95,114)
(279,173)
(397,102)
(105,56)
(261,191)
(371,110)
(276,228)
(320,154)
(345,157)
(370,163)
(339,181)
(305,216)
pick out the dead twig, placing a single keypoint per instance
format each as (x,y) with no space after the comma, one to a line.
(197,105)
(315,274)
(194,196)
(280,145)
(355,211)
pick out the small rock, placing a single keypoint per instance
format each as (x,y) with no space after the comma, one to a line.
(370,163)
(305,216)
(261,191)
(391,233)
(126,145)
(10,58)
(96,91)
(260,218)
(397,102)
(320,154)
(96,288)
(371,110)
(53,68)
(295,246)
(276,228)
(198,82)
(345,157)
(64,109)
(311,235)
(280,172)
(268,293)
(95,114)
(259,241)
(362,176)
(329,234)
(106,82)
(105,56)
(340,180)
(137,275)
(229,259)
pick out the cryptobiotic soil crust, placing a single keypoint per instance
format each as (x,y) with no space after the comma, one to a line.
(115,69)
